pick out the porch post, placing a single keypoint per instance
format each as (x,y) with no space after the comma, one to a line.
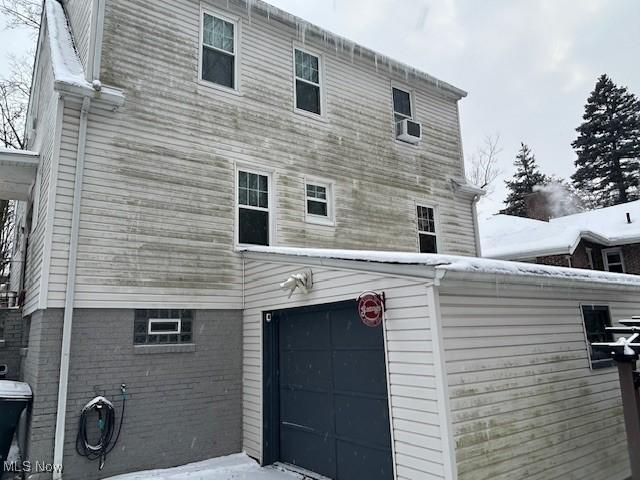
(631,415)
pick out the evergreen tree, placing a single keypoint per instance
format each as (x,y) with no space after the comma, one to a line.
(608,146)
(527,177)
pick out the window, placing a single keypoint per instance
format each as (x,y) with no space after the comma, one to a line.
(613,260)
(319,202)
(253,208)
(402,105)
(307,85)
(596,318)
(159,327)
(427,230)
(590,263)
(219,51)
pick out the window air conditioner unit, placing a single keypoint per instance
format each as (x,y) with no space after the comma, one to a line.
(409,131)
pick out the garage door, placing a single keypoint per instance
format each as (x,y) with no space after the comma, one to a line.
(329,404)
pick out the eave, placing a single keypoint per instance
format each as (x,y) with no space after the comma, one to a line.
(18,170)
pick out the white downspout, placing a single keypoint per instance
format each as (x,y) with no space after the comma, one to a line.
(476,225)
(95,41)
(58,451)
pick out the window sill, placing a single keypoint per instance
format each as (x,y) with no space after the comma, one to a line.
(210,87)
(325,222)
(314,116)
(159,349)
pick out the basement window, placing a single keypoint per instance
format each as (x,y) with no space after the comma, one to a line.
(596,318)
(427,232)
(308,94)
(253,208)
(162,327)
(219,44)
(613,261)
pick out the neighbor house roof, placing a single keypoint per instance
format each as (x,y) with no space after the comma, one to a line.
(516,238)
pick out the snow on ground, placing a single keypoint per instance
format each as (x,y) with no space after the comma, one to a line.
(233,467)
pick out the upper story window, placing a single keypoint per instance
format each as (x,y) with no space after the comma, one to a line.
(319,202)
(219,44)
(253,208)
(596,319)
(427,232)
(308,87)
(402,104)
(613,261)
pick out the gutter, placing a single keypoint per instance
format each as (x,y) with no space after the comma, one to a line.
(58,452)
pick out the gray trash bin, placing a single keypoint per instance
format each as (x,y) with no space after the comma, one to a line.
(14,397)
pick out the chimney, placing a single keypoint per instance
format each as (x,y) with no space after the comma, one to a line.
(538,206)
(629,218)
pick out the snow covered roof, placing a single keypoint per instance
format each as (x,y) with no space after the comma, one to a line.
(340,44)
(68,71)
(401,261)
(18,170)
(507,237)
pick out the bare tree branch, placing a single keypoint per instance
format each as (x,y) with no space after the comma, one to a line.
(482,169)
(22,13)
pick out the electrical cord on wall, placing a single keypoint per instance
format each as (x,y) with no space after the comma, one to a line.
(106,423)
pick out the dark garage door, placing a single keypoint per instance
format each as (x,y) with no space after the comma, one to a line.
(327,393)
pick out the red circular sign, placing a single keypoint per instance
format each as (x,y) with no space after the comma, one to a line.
(370,309)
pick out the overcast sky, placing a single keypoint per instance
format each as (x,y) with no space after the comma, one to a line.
(528,65)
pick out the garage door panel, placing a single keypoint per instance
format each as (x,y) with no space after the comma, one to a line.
(310,451)
(333,403)
(360,462)
(307,410)
(363,420)
(308,330)
(347,331)
(360,371)
(304,369)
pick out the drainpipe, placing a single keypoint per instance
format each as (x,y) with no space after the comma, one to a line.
(474,212)
(95,43)
(69,302)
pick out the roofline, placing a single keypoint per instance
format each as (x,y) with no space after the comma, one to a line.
(270,12)
(20,158)
(445,267)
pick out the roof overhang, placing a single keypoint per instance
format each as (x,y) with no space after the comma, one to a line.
(18,170)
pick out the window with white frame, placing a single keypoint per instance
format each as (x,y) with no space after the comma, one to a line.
(253,208)
(427,232)
(596,319)
(159,327)
(613,261)
(402,105)
(308,82)
(219,44)
(319,199)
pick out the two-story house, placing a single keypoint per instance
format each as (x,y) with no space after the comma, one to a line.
(184,158)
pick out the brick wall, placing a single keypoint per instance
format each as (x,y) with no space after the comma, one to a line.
(183,406)
(11,341)
(555,260)
(631,254)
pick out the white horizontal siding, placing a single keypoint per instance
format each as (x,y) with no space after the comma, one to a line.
(158,199)
(524,401)
(79,17)
(43,141)
(415,408)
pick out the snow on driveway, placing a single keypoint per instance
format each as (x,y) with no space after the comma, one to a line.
(233,467)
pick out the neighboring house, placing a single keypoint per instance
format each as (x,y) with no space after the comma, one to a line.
(606,239)
(176,148)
